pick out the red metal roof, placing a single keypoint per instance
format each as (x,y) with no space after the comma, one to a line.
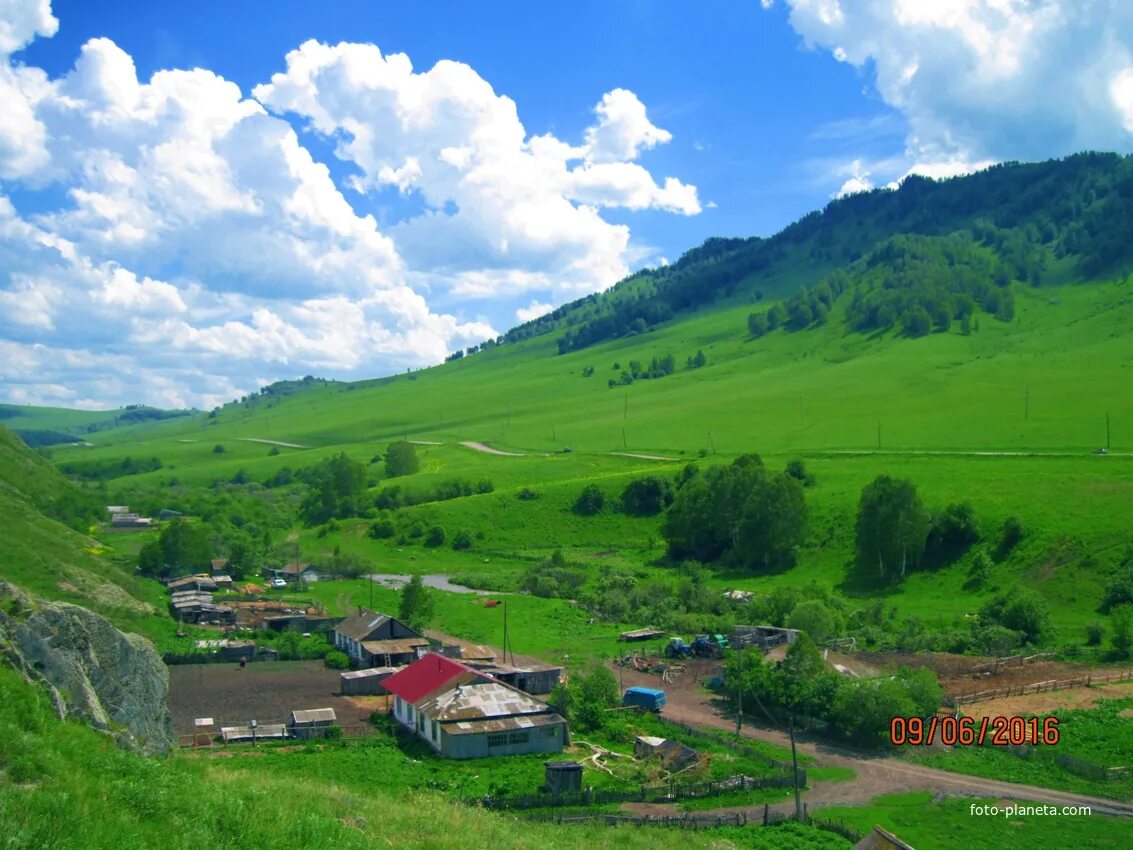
(424,676)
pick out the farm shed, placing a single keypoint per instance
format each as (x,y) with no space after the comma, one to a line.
(259,732)
(640,634)
(533,679)
(368,625)
(673,754)
(393,653)
(218,566)
(197,607)
(763,637)
(304,572)
(311,723)
(199,582)
(477,652)
(357,683)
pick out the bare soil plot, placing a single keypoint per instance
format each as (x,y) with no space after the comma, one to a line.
(266,691)
(958,680)
(1049,702)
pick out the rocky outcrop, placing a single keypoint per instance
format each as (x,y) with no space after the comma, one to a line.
(114,681)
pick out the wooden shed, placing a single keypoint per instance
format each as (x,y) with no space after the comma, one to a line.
(563,777)
(311,723)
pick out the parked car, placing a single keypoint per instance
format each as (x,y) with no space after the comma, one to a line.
(1101,451)
(278,582)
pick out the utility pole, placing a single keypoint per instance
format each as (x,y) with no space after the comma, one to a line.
(1027,402)
(625,443)
(879,435)
(795,763)
(505,631)
(625,406)
(554,439)
(1107,430)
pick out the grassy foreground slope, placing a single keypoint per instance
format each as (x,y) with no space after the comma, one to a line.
(64,786)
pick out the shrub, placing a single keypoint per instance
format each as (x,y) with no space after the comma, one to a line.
(1009,537)
(647,496)
(218,449)
(383,529)
(526,494)
(435,537)
(337,660)
(462,542)
(274,451)
(1095,631)
(590,500)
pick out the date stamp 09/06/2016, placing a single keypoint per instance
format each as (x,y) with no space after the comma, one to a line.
(999,731)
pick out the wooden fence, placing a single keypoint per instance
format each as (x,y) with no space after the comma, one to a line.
(1040,687)
(679,821)
(212,738)
(993,667)
(641,794)
(705,821)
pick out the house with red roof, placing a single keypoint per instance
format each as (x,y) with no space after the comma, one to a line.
(464,713)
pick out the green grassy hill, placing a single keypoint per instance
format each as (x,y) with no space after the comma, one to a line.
(1002,410)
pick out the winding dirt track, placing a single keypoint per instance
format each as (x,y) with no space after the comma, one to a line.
(875,775)
(481,447)
(271,442)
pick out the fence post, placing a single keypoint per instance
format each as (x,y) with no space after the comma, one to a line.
(766,810)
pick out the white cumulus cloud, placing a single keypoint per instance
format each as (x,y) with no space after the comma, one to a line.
(981,81)
(203,249)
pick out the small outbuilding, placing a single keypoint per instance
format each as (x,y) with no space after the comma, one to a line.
(673,754)
(312,723)
(563,777)
(370,626)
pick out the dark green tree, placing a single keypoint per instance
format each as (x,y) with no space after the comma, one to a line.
(401,459)
(646,496)
(892,527)
(772,523)
(416,605)
(757,324)
(589,501)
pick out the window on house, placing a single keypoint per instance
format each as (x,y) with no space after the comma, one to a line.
(550,731)
(497,740)
(518,738)
(434,730)
(409,712)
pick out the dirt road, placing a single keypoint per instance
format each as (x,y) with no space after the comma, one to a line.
(643,457)
(271,442)
(481,447)
(689,703)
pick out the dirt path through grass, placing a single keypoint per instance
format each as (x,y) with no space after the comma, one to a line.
(481,447)
(272,442)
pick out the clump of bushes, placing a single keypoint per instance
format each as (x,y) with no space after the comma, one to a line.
(337,660)
(589,501)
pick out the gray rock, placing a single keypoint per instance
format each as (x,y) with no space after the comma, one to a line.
(114,681)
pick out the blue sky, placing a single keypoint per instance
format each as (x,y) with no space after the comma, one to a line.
(196,199)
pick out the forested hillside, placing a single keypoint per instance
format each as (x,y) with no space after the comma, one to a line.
(1013,221)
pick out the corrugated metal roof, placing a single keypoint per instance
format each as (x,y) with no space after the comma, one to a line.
(478,652)
(366,674)
(489,699)
(361,626)
(244,733)
(502,724)
(426,675)
(313,715)
(393,647)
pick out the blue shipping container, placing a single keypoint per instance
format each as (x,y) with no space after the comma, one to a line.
(647,698)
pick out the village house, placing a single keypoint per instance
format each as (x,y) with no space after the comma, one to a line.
(378,640)
(305,573)
(464,713)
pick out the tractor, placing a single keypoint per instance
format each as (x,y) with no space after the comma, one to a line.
(709,646)
(677,648)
